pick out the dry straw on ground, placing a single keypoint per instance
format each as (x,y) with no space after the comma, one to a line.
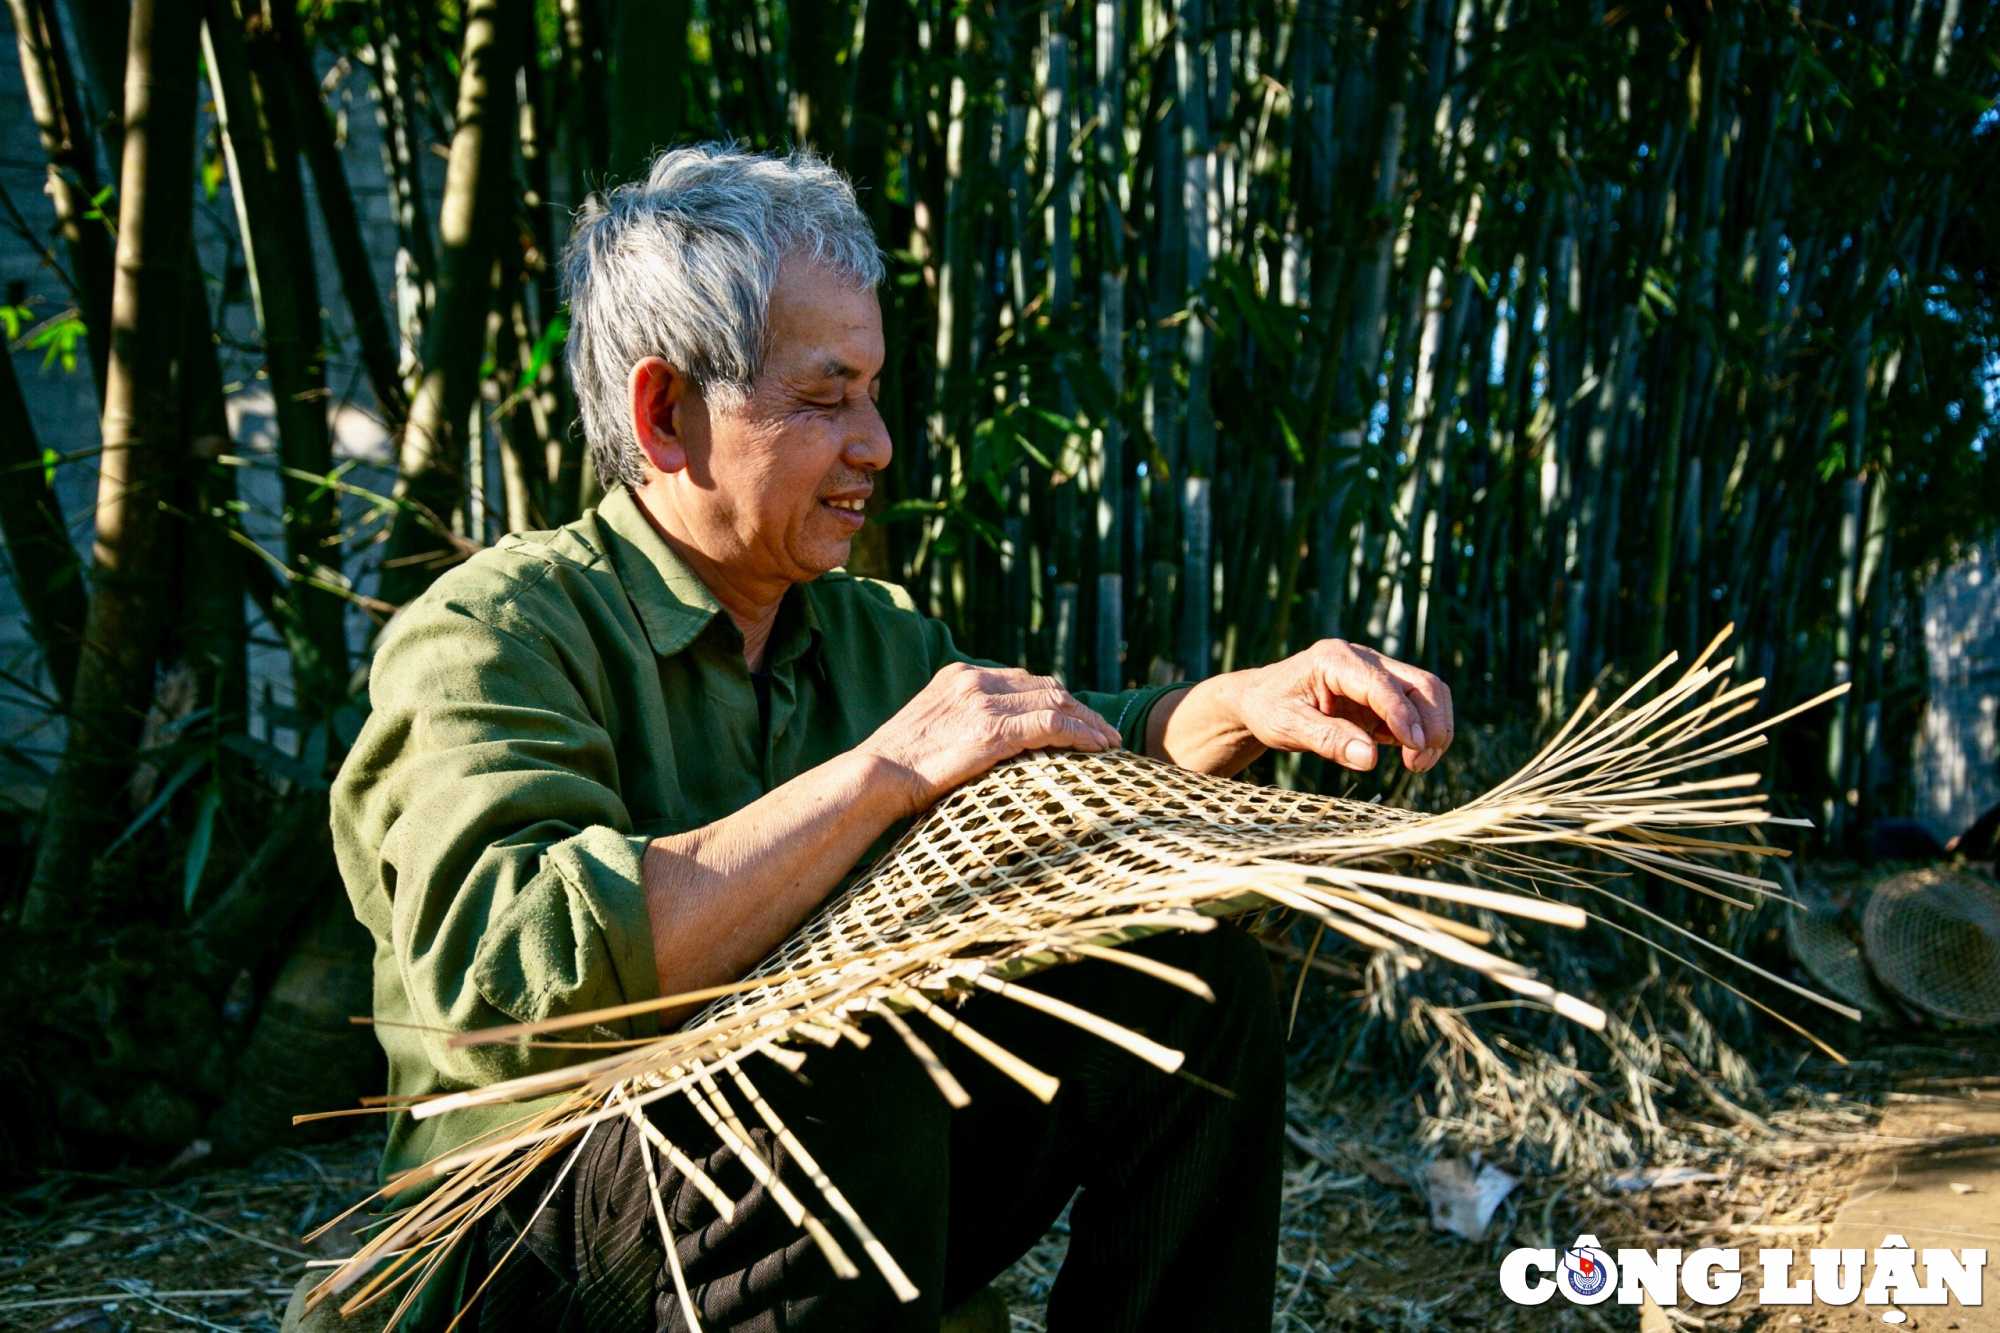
(1056,857)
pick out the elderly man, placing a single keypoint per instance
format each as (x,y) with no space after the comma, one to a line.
(626,758)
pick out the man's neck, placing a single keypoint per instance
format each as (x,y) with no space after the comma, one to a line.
(752,604)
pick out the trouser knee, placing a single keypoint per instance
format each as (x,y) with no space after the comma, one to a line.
(1233,964)
(1238,1036)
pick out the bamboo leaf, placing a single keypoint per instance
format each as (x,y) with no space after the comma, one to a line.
(1293,445)
(552,338)
(159,802)
(199,843)
(275,762)
(899,510)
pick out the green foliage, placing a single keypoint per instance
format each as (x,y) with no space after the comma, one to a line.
(57,338)
(1410,395)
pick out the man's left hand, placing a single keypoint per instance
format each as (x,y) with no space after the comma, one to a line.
(1336,699)
(1340,700)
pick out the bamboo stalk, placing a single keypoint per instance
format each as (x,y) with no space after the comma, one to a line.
(141,454)
(47,574)
(293,70)
(431,479)
(255,116)
(72,170)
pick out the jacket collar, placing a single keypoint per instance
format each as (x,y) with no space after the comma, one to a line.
(673,605)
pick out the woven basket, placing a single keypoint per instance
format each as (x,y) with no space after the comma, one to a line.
(1933,937)
(1828,951)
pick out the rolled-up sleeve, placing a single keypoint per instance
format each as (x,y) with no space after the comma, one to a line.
(485,842)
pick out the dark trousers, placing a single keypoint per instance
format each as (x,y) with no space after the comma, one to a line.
(1176,1225)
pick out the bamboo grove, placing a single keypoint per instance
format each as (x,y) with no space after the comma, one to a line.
(1523,338)
(1483,332)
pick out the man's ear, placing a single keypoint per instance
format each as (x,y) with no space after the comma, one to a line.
(659,408)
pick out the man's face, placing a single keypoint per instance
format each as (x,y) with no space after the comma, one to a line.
(773,490)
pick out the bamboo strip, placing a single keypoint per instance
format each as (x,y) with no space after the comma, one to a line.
(1042,1086)
(950,1088)
(1152,967)
(892,1272)
(1161,1057)
(688,1311)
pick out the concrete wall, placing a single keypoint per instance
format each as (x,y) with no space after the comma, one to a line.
(1958,752)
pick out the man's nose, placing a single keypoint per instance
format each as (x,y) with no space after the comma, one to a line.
(868,448)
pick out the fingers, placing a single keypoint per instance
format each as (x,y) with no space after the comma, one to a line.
(1060,710)
(1432,700)
(1053,728)
(1009,693)
(1338,740)
(1361,674)
(1387,701)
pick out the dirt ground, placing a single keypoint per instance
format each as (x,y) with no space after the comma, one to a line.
(219,1249)
(1899,1146)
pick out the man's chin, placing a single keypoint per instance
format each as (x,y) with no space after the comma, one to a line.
(825,557)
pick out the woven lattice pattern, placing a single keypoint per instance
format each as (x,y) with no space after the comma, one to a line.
(1072,836)
(1832,958)
(1933,937)
(1055,857)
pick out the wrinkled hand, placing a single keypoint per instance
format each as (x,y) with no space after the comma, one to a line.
(970,718)
(1340,700)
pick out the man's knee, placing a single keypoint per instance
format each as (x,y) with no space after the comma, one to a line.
(1229,960)
(1239,1032)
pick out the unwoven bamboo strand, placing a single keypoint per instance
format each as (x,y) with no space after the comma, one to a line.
(1058,856)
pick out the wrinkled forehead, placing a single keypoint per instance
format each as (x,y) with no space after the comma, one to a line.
(822,323)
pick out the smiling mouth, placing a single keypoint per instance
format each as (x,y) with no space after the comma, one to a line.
(855,507)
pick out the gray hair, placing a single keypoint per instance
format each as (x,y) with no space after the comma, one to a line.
(680,265)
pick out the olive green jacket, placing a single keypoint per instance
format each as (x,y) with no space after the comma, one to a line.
(537,717)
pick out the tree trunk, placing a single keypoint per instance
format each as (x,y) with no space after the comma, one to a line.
(1109,20)
(553,479)
(525,441)
(255,116)
(583,105)
(141,441)
(214,636)
(1848,587)
(648,88)
(1059,115)
(819,32)
(402,152)
(952,256)
(72,187)
(873,109)
(1696,250)
(477,193)
(578,101)
(1198,452)
(100,27)
(293,66)
(46,570)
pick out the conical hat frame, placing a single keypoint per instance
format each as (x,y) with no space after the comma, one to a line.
(1057,856)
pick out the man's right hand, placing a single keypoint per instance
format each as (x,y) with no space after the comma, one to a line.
(970,718)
